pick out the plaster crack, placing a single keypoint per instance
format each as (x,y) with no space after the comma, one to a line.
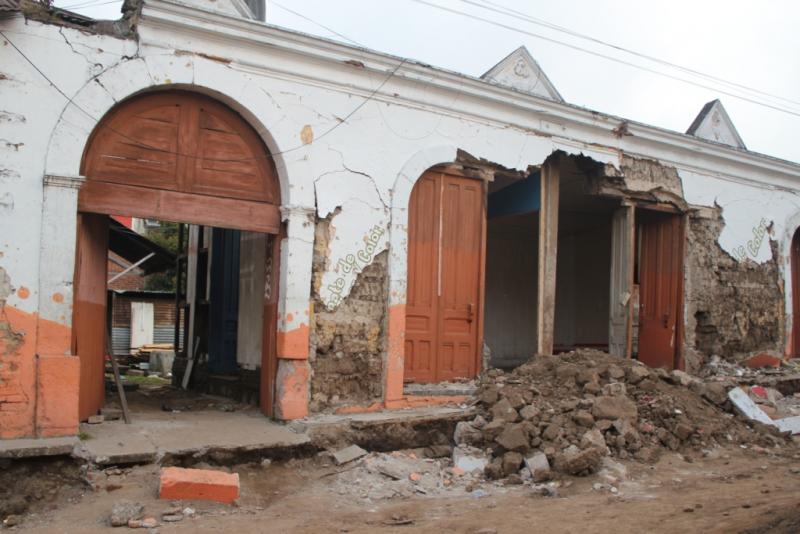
(272,98)
(74,51)
(362,173)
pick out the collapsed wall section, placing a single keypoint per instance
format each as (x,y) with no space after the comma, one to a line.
(733,308)
(734,305)
(347,344)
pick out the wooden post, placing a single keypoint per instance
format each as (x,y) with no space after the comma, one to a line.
(548,251)
(123,401)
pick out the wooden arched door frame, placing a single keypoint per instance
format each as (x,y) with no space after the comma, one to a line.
(176,156)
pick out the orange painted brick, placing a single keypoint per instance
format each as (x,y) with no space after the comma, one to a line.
(178,483)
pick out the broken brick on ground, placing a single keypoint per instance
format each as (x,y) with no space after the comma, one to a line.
(198,485)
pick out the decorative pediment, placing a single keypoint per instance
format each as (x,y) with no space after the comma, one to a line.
(714,124)
(521,72)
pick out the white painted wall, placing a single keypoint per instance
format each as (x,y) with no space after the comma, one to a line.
(348,141)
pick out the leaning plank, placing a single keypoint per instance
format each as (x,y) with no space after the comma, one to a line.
(123,401)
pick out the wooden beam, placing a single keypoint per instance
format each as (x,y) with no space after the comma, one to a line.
(548,251)
(149,203)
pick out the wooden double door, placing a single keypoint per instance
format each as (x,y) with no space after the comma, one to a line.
(446,256)
(660,289)
(173,156)
(647,249)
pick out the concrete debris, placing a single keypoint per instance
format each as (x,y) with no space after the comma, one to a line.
(744,404)
(348,454)
(124,511)
(12,521)
(538,466)
(574,461)
(467,434)
(573,410)
(469,459)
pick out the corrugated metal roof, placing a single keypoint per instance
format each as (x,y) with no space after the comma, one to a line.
(133,247)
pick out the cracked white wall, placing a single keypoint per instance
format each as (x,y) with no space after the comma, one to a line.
(335,157)
(753,214)
(29,110)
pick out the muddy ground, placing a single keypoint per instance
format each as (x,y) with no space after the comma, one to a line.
(727,489)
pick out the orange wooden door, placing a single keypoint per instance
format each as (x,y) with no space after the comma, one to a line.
(795,259)
(422,300)
(269,358)
(89,329)
(445,278)
(660,283)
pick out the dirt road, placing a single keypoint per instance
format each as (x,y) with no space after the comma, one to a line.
(730,490)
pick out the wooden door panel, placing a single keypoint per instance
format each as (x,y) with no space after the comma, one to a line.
(228,166)
(795,262)
(446,222)
(422,288)
(89,330)
(462,221)
(183,142)
(660,272)
(269,344)
(143,142)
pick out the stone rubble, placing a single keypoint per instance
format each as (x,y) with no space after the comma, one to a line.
(565,414)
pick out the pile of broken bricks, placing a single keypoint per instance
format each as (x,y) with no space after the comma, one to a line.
(563,415)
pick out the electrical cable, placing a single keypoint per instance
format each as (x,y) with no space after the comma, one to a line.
(604,56)
(142,144)
(533,20)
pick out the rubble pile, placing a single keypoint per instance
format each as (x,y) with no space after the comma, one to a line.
(566,413)
(403,474)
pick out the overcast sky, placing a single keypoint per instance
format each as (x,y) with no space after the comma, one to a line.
(755,44)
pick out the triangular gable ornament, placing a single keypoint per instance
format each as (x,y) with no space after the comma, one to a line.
(520,71)
(714,124)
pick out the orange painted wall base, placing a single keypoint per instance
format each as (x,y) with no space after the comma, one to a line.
(38,379)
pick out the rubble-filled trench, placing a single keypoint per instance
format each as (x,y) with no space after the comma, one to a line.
(583,430)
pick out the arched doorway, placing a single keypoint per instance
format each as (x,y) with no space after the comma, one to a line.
(795,261)
(174,156)
(446,256)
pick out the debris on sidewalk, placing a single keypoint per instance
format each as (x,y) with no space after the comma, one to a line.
(123,512)
(348,454)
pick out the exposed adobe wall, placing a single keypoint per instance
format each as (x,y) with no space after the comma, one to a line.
(733,308)
(347,343)
(648,175)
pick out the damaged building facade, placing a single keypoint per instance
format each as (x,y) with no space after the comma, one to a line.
(378,221)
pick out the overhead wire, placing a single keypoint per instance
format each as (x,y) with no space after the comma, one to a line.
(141,144)
(91,3)
(607,57)
(501,9)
